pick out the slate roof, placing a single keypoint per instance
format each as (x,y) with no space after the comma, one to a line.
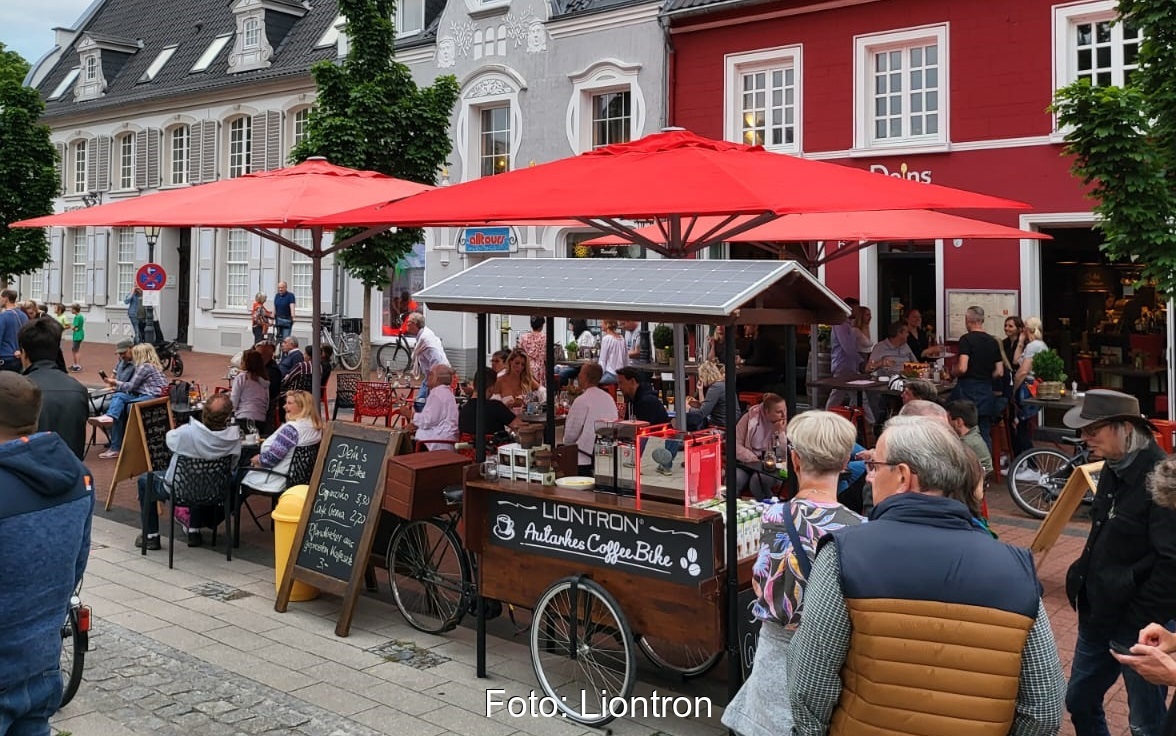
(564,8)
(192,24)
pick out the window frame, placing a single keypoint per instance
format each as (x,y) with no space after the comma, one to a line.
(124,258)
(90,68)
(1065,18)
(753,62)
(626,119)
(604,77)
(299,119)
(481,138)
(237,270)
(401,31)
(79,245)
(184,159)
(243,156)
(79,159)
(301,277)
(865,47)
(125,151)
(251,26)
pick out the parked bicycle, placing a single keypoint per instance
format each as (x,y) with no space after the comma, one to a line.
(1036,477)
(344,342)
(169,357)
(75,642)
(395,356)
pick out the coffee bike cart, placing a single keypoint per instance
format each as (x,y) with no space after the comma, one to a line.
(604,571)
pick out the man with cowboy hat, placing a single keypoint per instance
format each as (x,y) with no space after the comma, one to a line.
(1126,576)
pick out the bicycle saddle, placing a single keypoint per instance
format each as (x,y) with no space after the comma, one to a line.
(453,494)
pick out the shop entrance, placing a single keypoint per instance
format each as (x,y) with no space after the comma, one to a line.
(906,280)
(1109,329)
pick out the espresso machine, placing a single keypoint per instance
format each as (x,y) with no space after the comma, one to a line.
(614,456)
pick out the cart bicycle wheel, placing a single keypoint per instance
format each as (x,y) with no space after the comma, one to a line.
(430,575)
(1036,479)
(393,357)
(582,650)
(349,349)
(74,643)
(686,660)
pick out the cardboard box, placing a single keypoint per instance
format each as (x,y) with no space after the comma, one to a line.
(414,482)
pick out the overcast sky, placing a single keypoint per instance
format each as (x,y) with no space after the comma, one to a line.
(26,26)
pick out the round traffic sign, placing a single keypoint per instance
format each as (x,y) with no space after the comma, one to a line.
(151,277)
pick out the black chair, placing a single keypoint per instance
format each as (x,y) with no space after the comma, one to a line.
(199,483)
(301,467)
(346,384)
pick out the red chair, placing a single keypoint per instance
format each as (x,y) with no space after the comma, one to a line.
(1161,406)
(376,399)
(1164,434)
(1085,372)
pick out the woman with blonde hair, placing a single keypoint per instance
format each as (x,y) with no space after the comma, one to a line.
(302,427)
(762,430)
(1028,345)
(147,382)
(614,355)
(711,410)
(517,383)
(821,443)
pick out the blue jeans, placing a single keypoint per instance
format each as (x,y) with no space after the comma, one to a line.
(979,393)
(25,707)
(116,407)
(1092,674)
(282,332)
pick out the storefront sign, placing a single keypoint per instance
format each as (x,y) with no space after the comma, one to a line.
(903,172)
(665,549)
(487,240)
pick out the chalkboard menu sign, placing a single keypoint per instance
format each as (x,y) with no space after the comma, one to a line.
(144,442)
(339,519)
(666,549)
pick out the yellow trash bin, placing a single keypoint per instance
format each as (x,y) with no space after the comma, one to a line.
(286,516)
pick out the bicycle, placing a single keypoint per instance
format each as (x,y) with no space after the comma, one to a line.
(344,344)
(1036,477)
(75,642)
(396,356)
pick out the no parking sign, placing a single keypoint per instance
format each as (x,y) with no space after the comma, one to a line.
(151,277)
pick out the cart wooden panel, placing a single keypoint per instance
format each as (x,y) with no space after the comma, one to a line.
(671,610)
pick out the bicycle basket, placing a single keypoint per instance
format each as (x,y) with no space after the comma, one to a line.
(352,324)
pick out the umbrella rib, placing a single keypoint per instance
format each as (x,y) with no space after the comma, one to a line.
(357,238)
(614,227)
(269,234)
(717,237)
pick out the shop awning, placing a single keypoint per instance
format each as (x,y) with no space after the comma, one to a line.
(676,290)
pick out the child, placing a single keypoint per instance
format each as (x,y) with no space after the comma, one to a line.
(62,318)
(78,325)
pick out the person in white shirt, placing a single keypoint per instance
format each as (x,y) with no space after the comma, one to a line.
(593,405)
(438,419)
(613,354)
(426,352)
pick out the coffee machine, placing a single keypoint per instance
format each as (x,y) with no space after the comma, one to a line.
(614,456)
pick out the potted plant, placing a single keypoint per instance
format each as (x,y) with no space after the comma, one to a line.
(573,350)
(1049,370)
(663,342)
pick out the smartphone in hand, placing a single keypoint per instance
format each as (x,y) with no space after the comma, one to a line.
(1123,649)
(102,375)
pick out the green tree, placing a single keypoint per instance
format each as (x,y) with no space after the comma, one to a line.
(371,115)
(28,170)
(1124,144)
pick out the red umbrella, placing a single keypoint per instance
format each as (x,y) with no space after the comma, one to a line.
(666,176)
(261,203)
(859,228)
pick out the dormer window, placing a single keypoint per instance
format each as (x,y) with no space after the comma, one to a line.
(100,58)
(92,67)
(65,84)
(410,17)
(261,27)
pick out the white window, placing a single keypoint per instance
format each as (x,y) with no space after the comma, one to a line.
(125,252)
(612,117)
(237,269)
(251,35)
(218,44)
(240,146)
(410,16)
(179,146)
(35,286)
(91,65)
(494,152)
(1090,43)
(762,101)
(65,84)
(157,63)
(80,254)
(331,36)
(301,266)
(78,167)
(301,118)
(901,89)
(126,161)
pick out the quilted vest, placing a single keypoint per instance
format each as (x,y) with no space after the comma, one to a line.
(940,614)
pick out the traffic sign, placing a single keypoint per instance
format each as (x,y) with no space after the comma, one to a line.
(151,277)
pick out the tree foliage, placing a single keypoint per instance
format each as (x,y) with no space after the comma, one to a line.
(1124,143)
(28,170)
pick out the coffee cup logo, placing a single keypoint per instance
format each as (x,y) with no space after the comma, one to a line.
(504,527)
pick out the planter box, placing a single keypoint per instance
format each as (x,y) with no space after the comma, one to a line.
(414,482)
(1050,390)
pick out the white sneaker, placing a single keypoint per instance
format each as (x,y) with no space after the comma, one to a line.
(1028,474)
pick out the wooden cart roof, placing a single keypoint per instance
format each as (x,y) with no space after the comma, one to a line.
(686,290)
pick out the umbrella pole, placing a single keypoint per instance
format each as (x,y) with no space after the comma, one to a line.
(316,320)
(734,660)
(680,393)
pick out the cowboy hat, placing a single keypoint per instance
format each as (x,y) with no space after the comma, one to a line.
(1103,405)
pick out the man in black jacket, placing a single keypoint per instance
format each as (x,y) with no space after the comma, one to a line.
(1126,576)
(643,402)
(65,403)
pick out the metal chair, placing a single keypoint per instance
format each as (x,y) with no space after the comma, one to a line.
(301,468)
(375,399)
(197,482)
(345,387)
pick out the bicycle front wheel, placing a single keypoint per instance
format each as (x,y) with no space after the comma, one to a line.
(685,660)
(430,575)
(74,643)
(1036,479)
(349,351)
(393,356)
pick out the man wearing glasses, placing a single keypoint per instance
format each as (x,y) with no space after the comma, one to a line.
(1126,576)
(920,622)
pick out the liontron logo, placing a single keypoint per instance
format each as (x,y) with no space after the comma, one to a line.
(904,172)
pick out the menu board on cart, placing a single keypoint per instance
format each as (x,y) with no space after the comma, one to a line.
(666,549)
(144,442)
(338,522)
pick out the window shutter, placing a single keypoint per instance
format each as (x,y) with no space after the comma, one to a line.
(141,158)
(205,258)
(62,168)
(208,151)
(326,283)
(273,140)
(154,141)
(257,249)
(195,138)
(92,165)
(103,163)
(268,277)
(56,237)
(98,254)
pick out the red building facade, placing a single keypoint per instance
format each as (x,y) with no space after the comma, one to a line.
(954,93)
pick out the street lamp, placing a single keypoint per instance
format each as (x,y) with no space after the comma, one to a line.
(152,234)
